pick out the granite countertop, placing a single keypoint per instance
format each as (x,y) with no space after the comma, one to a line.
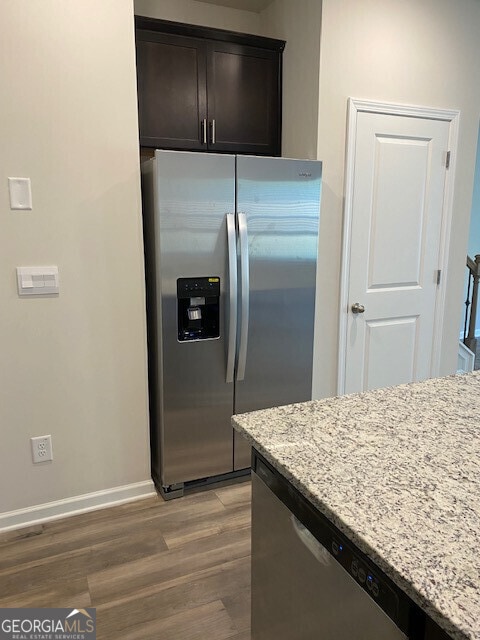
(398,471)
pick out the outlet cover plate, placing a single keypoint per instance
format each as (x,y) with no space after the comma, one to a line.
(41,449)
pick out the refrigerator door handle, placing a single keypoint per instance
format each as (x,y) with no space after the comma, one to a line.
(245,295)
(232,295)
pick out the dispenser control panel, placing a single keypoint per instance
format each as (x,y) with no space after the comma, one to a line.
(198,308)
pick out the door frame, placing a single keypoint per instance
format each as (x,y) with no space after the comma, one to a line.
(356,106)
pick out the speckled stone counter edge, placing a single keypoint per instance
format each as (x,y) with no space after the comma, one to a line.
(268,451)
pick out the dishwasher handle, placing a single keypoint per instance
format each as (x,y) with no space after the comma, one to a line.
(309,541)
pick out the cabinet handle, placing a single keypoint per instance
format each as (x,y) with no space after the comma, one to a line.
(213,131)
(204,130)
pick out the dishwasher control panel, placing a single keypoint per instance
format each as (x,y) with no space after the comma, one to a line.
(364,575)
(370,578)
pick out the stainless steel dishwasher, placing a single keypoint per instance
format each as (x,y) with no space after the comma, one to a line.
(309,582)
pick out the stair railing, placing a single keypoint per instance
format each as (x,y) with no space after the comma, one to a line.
(471,303)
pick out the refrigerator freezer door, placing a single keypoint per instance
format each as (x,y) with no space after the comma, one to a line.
(281,200)
(194,192)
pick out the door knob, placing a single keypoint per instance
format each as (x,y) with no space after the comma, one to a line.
(358,308)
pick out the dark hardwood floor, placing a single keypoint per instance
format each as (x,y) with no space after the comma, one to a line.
(154,570)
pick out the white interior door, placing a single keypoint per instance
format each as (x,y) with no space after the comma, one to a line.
(396,216)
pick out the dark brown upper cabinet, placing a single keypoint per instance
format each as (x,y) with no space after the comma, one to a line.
(208,90)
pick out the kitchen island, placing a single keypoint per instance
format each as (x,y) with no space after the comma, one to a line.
(397,472)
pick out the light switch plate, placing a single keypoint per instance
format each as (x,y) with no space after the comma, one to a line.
(37,281)
(20,190)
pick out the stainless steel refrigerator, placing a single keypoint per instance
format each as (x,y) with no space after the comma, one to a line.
(231,250)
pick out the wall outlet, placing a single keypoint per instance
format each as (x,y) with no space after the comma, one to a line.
(41,448)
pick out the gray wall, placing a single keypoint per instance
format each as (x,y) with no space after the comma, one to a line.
(394,51)
(71,366)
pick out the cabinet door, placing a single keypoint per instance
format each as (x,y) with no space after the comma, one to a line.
(171,91)
(243,95)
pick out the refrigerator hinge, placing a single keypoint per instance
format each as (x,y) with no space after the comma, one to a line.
(447,161)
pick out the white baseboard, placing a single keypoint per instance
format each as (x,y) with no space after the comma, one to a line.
(72,506)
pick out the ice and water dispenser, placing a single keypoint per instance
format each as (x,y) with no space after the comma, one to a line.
(198,308)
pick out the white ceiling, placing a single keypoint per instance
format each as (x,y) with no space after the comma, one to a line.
(246,5)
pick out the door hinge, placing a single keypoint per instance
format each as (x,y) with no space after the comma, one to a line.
(439,276)
(447,161)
